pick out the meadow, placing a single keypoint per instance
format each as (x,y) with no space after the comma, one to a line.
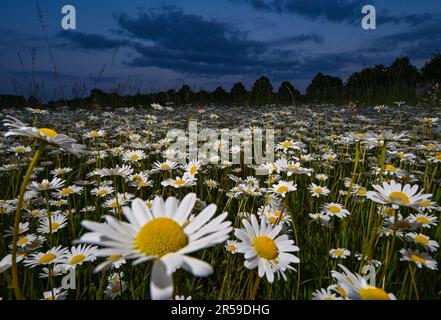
(91,207)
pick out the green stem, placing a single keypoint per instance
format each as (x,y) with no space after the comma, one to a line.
(15,282)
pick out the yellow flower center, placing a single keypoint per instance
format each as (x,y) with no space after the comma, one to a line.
(422,239)
(232,248)
(193,170)
(339,252)
(20,149)
(425,203)
(438,156)
(47,258)
(48,132)
(373,293)
(180,182)
(161,236)
(54,226)
(334,209)
(282,189)
(66,191)
(318,190)
(77,259)
(390,167)
(114,258)
(102,192)
(417,258)
(134,157)
(399,197)
(361,192)
(422,220)
(265,247)
(287,144)
(165,166)
(136,177)
(22,241)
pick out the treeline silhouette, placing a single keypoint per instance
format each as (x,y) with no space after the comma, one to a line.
(374,85)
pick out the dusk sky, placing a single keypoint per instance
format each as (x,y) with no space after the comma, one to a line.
(155,45)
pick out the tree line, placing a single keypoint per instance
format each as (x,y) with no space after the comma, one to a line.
(378,84)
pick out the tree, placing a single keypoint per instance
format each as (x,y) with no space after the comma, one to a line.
(220,95)
(239,94)
(325,88)
(287,94)
(431,72)
(262,91)
(185,95)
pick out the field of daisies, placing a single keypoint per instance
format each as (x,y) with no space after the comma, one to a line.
(92,207)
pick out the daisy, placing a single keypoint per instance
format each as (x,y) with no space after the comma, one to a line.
(26,240)
(424,220)
(423,240)
(56,183)
(20,149)
(317,191)
(354,287)
(123,171)
(66,192)
(396,195)
(179,182)
(49,136)
(283,187)
(60,171)
(77,255)
(325,294)
(335,209)
(52,256)
(164,166)
(102,191)
(211,184)
(134,155)
(95,134)
(265,249)
(339,253)
(161,235)
(321,218)
(192,168)
(55,294)
(419,258)
(231,246)
(56,223)
(114,261)
(115,289)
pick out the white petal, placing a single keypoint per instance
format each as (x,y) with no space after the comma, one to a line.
(161,284)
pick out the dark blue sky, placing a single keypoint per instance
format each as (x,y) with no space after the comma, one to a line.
(152,45)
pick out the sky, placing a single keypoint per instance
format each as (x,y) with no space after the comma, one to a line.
(136,46)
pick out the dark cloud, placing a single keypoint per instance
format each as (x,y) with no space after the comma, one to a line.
(87,41)
(348,11)
(297,39)
(168,38)
(337,11)
(417,43)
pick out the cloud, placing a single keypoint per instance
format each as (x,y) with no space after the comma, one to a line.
(297,39)
(337,11)
(88,41)
(418,42)
(347,11)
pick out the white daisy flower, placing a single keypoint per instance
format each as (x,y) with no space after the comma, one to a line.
(162,235)
(265,249)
